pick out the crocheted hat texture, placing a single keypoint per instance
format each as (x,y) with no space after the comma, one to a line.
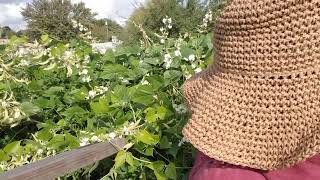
(258,103)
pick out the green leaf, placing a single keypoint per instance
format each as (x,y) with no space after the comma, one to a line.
(44,103)
(57,141)
(112,71)
(156,82)
(44,135)
(29,108)
(89,123)
(148,151)
(159,175)
(109,56)
(158,167)
(45,38)
(53,91)
(79,94)
(100,107)
(151,115)
(147,138)
(129,159)
(164,143)
(144,95)
(171,171)
(12,148)
(121,95)
(4,156)
(161,112)
(72,141)
(120,159)
(186,51)
(153,61)
(172,75)
(74,111)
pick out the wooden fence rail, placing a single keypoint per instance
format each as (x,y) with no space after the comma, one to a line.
(63,163)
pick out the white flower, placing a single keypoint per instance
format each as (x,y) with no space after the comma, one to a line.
(169,26)
(162,29)
(16,114)
(4,104)
(112,135)
(106,23)
(86,79)
(84,141)
(39,151)
(167,57)
(144,82)
(198,70)
(164,20)
(24,63)
(101,90)
(168,64)
(125,130)
(188,76)
(177,53)
(126,81)
(162,41)
(180,108)
(192,57)
(83,72)
(169,20)
(91,94)
(74,23)
(86,58)
(95,139)
(193,65)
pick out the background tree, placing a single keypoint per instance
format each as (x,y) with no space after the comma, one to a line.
(6,32)
(54,17)
(104,29)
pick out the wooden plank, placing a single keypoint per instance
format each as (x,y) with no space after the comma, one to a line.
(58,165)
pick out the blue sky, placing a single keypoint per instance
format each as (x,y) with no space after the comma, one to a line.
(113,9)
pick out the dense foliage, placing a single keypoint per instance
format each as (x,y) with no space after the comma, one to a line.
(187,14)
(56,96)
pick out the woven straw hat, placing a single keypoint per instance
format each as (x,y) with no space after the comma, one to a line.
(258,104)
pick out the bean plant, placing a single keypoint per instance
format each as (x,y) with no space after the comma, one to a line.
(58,96)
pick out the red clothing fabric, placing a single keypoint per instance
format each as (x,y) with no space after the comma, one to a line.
(206,168)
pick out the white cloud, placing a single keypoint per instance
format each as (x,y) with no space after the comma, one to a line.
(117,10)
(10,15)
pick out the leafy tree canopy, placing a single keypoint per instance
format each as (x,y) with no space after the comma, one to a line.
(55,18)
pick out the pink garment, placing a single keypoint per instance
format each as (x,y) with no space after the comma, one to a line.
(206,168)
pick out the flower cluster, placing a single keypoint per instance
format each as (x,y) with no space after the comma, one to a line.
(85,33)
(181,108)
(167,22)
(167,61)
(90,137)
(10,111)
(98,90)
(207,20)
(124,80)
(165,30)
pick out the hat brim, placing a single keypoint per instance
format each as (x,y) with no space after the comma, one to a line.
(260,122)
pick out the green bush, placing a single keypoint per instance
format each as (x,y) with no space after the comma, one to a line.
(59,96)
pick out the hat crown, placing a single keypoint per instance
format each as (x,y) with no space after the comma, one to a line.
(268,36)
